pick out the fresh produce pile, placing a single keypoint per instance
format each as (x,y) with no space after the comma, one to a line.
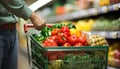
(67,35)
(106,24)
(61,35)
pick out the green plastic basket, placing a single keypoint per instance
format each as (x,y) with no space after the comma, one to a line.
(84,57)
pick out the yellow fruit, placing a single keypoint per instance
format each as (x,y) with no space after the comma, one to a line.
(91,21)
(104,2)
(84,25)
(110,54)
(75,31)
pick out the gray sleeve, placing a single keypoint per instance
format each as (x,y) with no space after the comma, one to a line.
(17,7)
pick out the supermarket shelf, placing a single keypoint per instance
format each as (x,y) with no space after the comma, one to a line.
(118,34)
(108,34)
(84,13)
(109,67)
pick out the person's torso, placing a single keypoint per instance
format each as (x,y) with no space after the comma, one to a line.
(6,16)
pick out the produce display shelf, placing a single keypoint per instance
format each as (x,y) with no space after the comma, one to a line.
(84,13)
(108,34)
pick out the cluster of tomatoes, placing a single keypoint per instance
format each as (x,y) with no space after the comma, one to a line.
(63,37)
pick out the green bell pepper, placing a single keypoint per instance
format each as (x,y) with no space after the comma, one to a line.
(58,25)
(70,25)
(46,31)
(39,37)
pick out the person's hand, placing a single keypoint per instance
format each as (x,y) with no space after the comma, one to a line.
(37,21)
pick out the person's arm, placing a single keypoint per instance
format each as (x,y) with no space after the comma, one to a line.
(20,9)
(37,21)
(17,7)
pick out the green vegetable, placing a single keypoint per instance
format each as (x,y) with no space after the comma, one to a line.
(58,25)
(46,31)
(39,37)
(70,25)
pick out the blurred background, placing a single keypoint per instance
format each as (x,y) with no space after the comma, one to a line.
(97,16)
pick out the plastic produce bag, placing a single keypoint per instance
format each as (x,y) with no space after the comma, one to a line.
(96,40)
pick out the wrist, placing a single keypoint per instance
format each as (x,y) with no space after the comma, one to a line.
(33,15)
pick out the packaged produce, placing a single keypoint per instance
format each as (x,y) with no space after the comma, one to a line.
(96,40)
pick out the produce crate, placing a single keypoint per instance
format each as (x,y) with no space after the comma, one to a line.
(84,57)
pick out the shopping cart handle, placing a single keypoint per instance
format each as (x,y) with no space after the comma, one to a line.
(26,26)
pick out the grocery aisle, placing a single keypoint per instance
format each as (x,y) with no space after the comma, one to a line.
(22,55)
(100,18)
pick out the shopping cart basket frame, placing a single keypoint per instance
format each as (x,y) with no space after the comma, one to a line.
(27,26)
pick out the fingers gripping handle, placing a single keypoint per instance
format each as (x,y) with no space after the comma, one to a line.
(26,26)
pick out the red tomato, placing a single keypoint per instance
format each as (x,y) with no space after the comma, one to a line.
(55,31)
(49,43)
(73,39)
(54,44)
(49,40)
(53,37)
(64,29)
(66,34)
(66,44)
(82,39)
(46,44)
(61,39)
(78,44)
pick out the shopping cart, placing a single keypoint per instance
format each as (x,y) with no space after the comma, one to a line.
(84,57)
